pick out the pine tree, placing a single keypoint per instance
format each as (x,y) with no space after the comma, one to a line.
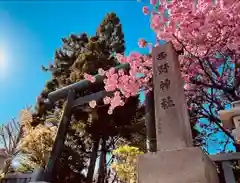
(84,54)
(110,31)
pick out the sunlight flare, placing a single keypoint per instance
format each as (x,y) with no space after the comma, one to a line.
(2,60)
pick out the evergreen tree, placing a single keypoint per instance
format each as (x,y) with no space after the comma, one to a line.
(84,54)
(110,31)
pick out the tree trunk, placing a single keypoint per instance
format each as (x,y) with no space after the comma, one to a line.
(93,159)
(102,163)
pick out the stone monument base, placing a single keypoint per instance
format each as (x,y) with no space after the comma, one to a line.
(190,165)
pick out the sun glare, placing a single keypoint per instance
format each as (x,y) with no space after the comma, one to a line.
(2,63)
(1,60)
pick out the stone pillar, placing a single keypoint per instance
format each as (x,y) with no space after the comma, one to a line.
(231,120)
(171,113)
(176,161)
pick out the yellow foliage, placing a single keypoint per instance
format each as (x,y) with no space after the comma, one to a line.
(2,175)
(38,141)
(126,163)
(26,120)
(26,165)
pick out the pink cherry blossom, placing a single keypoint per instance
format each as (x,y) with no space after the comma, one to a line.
(207,17)
(145,10)
(121,59)
(110,111)
(101,72)
(201,29)
(142,43)
(89,77)
(92,104)
(106,100)
(153,2)
(187,86)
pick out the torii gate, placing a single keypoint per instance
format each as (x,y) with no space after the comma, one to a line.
(68,92)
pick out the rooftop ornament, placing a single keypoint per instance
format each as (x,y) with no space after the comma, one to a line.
(231,119)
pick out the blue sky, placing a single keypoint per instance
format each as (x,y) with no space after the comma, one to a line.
(31,31)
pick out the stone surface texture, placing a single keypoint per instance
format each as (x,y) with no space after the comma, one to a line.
(188,165)
(172,122)
(176,161)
